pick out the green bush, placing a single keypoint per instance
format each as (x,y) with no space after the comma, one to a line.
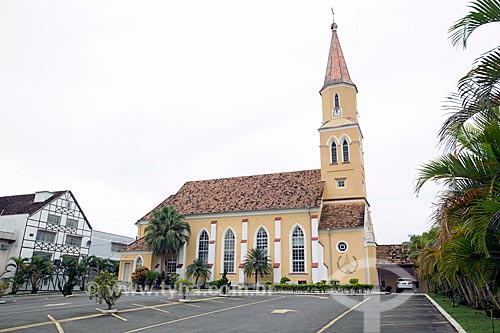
(224,284)
(183,286)
(139,276)
(104,288)
(3,287)
(354,281)
(214,283)
(284,279)
(323,287)
(151,277)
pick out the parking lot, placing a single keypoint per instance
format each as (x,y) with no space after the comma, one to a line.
(208,313)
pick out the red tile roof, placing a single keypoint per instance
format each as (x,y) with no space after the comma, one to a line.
(285,190)
(23,204)
(138,245)
(342,215)
(336,69)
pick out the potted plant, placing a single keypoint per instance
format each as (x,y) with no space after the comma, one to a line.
(105,288)
(184,287)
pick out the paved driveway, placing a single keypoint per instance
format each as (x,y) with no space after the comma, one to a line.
(209,313)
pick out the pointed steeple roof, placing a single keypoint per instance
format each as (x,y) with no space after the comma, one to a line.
(336,69)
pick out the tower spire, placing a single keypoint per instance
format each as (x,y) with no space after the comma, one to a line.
(336,69)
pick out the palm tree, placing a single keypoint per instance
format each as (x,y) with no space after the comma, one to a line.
(465,255)
(39,269)
(18,267)
(103,264)
(198,268)
(85,266)
(70,275)
(257,262)
(166,233)
(479,90)
(470,175)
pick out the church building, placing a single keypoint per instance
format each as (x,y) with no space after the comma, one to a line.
(315,224)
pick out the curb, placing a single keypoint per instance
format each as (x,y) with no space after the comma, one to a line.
(452,321)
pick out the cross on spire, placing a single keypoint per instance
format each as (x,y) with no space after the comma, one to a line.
(334,25)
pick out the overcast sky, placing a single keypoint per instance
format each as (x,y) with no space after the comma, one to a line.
(124,101)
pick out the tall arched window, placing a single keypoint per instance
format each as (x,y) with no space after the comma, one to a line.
(261,239)
(333,152)
(203,242)
(298,251)
(138,262)
(229,247)
(345,151)
(336,102)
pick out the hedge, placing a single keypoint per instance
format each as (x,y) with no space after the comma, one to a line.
(322,288)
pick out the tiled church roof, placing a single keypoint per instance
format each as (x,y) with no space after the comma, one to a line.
(342,215)
(283,190)
(138,245)
(23,204)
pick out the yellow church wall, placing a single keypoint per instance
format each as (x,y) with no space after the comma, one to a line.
(353,170)
(141,230)
(130,257)
(288,221)
(347,99)
(355,240)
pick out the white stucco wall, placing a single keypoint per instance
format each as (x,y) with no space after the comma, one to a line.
(14,224)
(101,244)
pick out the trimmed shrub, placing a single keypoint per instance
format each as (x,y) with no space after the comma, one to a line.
(284,279)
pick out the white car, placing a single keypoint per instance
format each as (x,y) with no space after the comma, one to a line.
(404,283)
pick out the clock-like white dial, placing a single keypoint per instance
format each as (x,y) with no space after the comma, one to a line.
(337,112)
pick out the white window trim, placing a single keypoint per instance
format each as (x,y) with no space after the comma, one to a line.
(290,252)
(198,243)
(135,262)
(337,183)
(224,246)
(333,140)
(348,151)
(255,238)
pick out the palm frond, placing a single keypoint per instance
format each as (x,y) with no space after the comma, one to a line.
(482,12)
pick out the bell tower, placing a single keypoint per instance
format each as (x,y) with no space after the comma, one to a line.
(342,165)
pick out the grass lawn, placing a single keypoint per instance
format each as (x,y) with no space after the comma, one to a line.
(473,321)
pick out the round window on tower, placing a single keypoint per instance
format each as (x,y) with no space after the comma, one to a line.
(342,246)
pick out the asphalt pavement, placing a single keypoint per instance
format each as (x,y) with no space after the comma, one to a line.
(209,313)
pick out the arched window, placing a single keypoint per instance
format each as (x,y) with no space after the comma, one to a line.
(203,242)
(229,247)
(138,262)
(171,263)
(345,151)
(298,251)
(333,152)
(336,102)
(261,239)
